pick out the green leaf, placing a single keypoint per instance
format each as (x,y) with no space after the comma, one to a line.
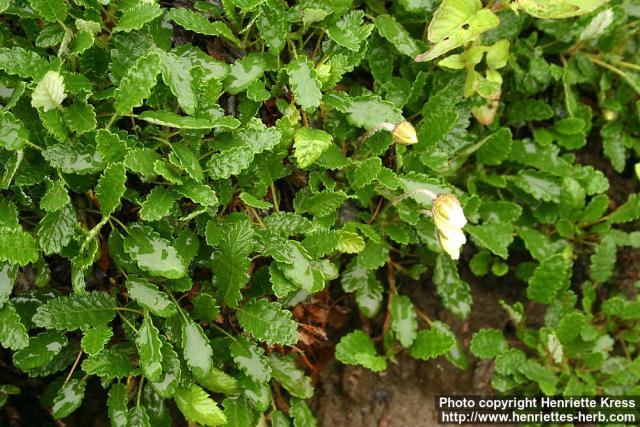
(603,260)
(305,84)
(76,311)
(495,237)
(555,9)
(150,297)
(23,63)
(197,23)
(244,71)
(538,244)
(171,372)
(551,276)
(508,362)
(273,24)
(431,343)
(117,405)
(229,162)
(395,33)
(197,407)
(455,292)
(153,253)
(56,196)
(250,359)
(404,321)
(456,354)
(173,120)
(149,348)
(137,16)
(284,370)
(40,351)
(496,148)
(49,92)
(350,243)
(18,247)
(13,134)
(367,288)
(370,111)
(50,10)
(540,185)
(302,415)
(220,382)
(356,348)
(629,211)
(248,5)
(488,343)
(268,322)
(365,172)
(259,137)
(56,229)
(136,85)
(111,188)
(455,23)
(299,270)
(157,205)
(542,375)
(231,263)
(239,412)
(176,73)
(197,351)
(138,417)
(527,110)
(349,31)
(322,204)
(254,202)
(80,117)
(110,363)
(569,327)
(79,158)
(184,157)
(199,193)
(110,146)
(82,41)
(141,161)
(8,274)
(279,419)
(8,214)
(13,334)
(205,308)
(68,398)
(168,172)
(94,339)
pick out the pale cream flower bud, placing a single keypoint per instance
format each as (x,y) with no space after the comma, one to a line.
(405,134)
(610,115)
(449,219)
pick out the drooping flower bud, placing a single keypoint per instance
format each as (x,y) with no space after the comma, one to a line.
(404,133)
(449,219)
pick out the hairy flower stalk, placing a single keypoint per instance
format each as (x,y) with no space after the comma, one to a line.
(403,133)
(449,219)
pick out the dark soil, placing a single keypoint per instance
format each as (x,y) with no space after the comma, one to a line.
(406,393)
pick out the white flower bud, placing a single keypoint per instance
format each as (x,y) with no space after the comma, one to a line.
(404,134)
(449,219)
(452,243)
